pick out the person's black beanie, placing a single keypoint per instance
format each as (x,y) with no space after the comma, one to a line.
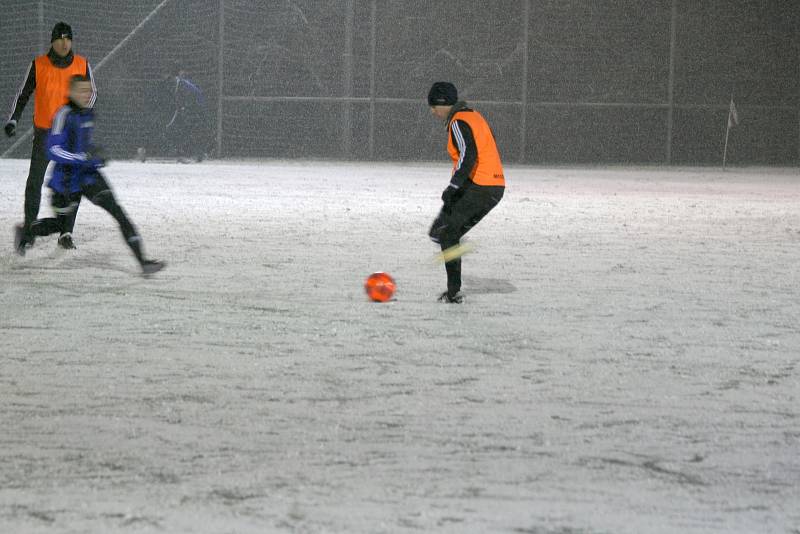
(60,30)
(442,94)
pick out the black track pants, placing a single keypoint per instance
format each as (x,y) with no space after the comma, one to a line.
(455,220)
(100,194)
(64,206)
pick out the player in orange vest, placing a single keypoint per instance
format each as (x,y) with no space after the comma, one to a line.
(477,182)
(48,80)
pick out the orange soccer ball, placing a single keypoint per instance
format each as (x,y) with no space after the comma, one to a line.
(380,287)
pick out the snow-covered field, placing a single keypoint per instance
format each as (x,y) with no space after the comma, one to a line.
(626,360)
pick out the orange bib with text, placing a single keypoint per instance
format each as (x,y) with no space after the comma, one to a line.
(488,169)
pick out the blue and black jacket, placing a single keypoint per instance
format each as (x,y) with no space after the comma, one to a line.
(69,145)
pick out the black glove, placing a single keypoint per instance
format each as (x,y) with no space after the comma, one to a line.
(96,157)
(448,194)
(11,128)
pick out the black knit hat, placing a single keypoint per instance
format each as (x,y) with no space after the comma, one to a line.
(442,94)
(61,30)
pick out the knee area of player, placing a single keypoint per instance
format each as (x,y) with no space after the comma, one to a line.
(66,209)
(103,196)
(437,233)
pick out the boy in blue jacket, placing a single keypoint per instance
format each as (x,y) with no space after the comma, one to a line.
(76,173)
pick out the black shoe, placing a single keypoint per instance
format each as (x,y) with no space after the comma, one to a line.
(152,266)
(65,241)
(21,241)
(455,298)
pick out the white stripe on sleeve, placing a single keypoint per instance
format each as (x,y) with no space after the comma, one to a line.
(94,87)
(462,146)
(69,156)
(59,120)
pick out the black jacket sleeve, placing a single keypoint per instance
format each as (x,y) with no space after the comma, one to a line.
(464,141)
(24,93)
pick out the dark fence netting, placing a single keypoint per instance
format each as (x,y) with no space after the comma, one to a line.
(562,81)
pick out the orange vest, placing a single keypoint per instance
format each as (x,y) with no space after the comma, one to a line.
(488,169)
(52,88)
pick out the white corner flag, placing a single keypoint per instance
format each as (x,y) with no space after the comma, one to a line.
(733,117)
(733,120)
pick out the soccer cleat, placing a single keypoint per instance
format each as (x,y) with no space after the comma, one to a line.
(152,266)
(21,242)
(65,241)
(455,298)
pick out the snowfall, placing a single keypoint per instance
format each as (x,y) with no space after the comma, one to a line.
(625,361)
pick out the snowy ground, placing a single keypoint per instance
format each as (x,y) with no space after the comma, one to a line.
(626,360)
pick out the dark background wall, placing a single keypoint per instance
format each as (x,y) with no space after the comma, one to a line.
(562,81)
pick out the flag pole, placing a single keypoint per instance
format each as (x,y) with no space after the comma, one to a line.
(725,150)
(733,119)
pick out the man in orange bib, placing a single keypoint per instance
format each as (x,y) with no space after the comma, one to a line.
(477,182)
(48,81)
